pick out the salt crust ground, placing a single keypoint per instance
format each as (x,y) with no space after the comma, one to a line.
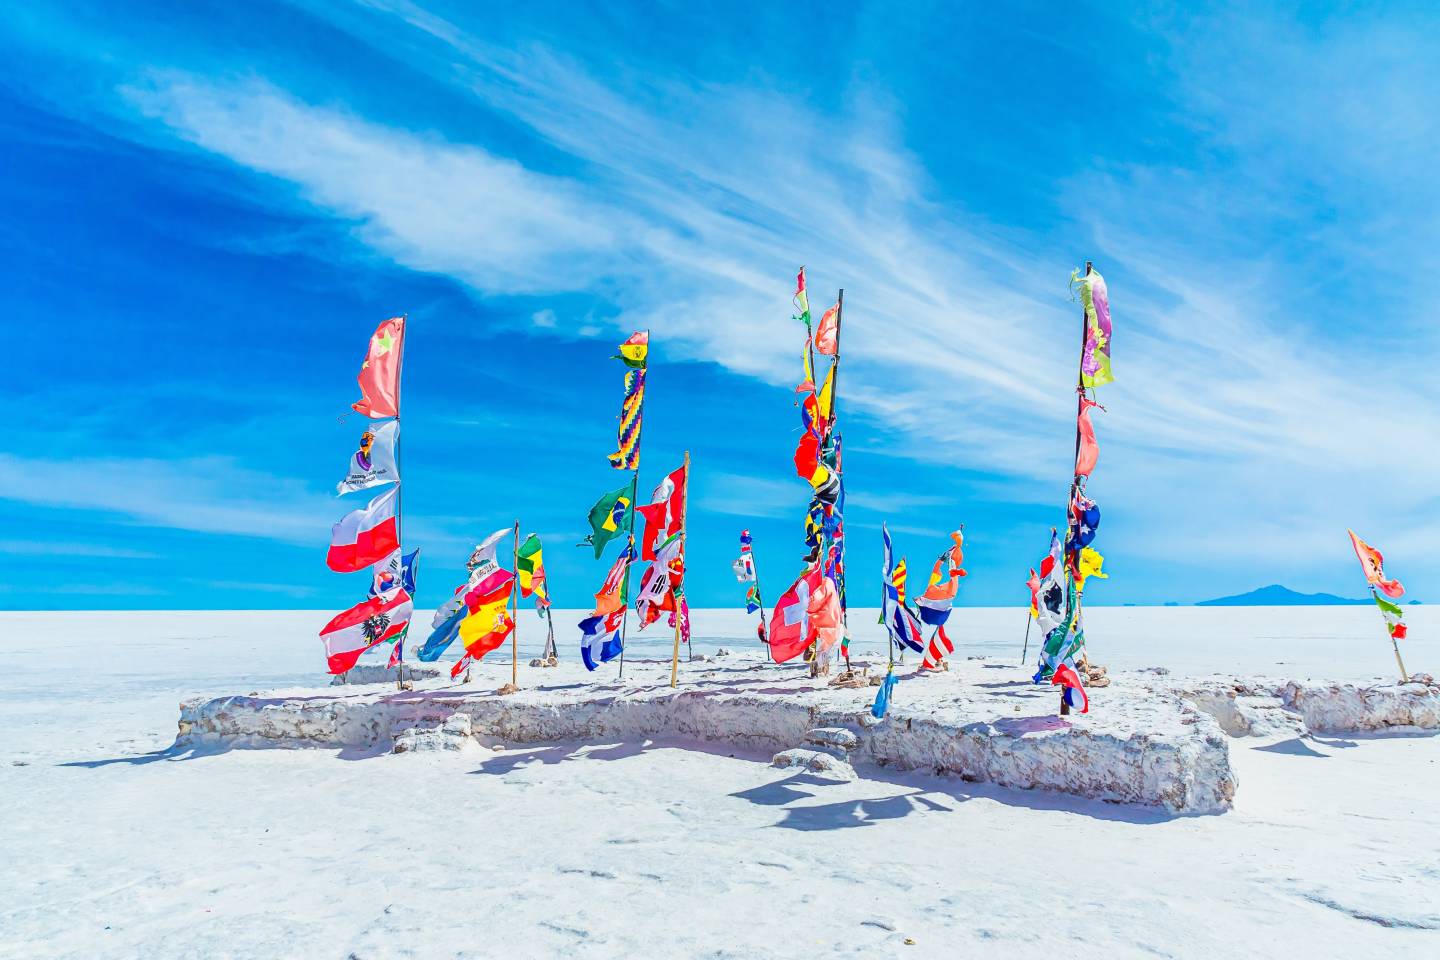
(128,846)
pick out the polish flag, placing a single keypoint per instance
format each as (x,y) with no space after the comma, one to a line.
(363,626)
(365,536)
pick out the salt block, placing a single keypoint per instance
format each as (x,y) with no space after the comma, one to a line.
(816,762)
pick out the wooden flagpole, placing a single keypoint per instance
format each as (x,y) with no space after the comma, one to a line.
(1404,677)
(759,596)
(834,422)
(515,614)
(399,487)
(634,493)
(1075,479)
(680,592)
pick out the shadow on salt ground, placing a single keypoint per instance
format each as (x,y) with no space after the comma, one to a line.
(177,752)
(1294,747)
(560,752)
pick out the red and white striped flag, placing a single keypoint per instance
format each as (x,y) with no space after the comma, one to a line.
(365,536)
(938,649)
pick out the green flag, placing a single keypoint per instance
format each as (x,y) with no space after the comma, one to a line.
(608,517)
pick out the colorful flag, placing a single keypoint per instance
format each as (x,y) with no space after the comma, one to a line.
(397,652)
(1050,597)
(482,560)
(489,621)
(1066,641)
(790,621)
(1034,584)
(1089,451)
(1373,564)
(900,621)
(635,351)
(395,571)
(1089,566)
(826,334)
(600,638)
(801,299)
(657,585)
(365,536)
(1394,617)
(627,450)
(937,649)
(1066,676)
(881,705)
(380,373)
(1095,360)
(665,514)
(934,604)
(364,625)
(607,518)
(1084,521)
(611,597)
(824,615)
(530,568)
(373,463)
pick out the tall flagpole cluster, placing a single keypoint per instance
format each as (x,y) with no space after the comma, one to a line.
(370,536)
(1057,594)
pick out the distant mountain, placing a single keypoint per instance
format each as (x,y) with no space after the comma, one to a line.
(1278,596)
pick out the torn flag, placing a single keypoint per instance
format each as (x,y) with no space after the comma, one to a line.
(1373,564)
(827,332)
(379,377)
(934,604)
(801,299)
(1394,617)
(1095,360)
(1089,452)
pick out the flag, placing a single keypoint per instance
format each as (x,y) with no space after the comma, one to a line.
(530,568)
(372,621)
(1084,521)
(1394,617)
(446,624)
(1089,452)
(790,621)
(825,399)
(882,695)
(1065,641)
(482,560)
(934,604)
(611,597)
(600,639)
(801,299)
(900,621)
(1075,695)
(823,613)
(373,462)
(395,571)
(635,351)
(488,623)
(397,652)
(665,514)
(827,333)
(380,373)
(1050,597)
(1034,584)
(365,536)
(1373,564)
(1095,360)
(937,649)
(752,600)
(632,406)
(1089,566)
(656,587)
(607,518)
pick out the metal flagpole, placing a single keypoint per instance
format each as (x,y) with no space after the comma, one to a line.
(399,487)
(551,650)
(759,597)
(834,421)
(679,593)
(634,492)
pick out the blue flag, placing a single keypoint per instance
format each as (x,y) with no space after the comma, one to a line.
(882,696)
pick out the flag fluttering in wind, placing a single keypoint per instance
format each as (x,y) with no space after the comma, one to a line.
(635,351)
(657,586)
(823,613)
(1095,360)
(900,621)
(530,569)
(488,624)
(484,575)
(632,407)
(1090,565)
(1089,452)
(364,537)
(746,572)
(600,638)
(801,299)
(934,604)
(881,705)
(373,462)
(379,377)
(363,626)
(937,649)
(1074,691)
(790,630)
(1049,596)
(1394,618)
(665,513)
(825,332)
(607,518)
(395,571)
(1372,563)
(612,598)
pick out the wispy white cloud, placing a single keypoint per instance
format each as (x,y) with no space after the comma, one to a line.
(55,548)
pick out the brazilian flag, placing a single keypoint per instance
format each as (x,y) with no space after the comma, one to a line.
(608,518)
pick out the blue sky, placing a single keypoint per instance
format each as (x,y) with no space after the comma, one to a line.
(209,207)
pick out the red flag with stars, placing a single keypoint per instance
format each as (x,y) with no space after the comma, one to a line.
(380,375)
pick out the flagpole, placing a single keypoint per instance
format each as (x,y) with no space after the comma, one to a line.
(630,527)
(1075,479)
(550,649)
(515,614)
(834,421)
(1404,677)
(759,596)
(399,489)
(678,595)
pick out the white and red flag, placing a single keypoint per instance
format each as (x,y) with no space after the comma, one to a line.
(937,650)
(665,514)
(379,376)
(790,629)
(363,626)
(365,536)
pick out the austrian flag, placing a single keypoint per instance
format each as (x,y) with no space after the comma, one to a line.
(363,626)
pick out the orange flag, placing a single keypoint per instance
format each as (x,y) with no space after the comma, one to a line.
(1372,561)
(380,375)
(825,333)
